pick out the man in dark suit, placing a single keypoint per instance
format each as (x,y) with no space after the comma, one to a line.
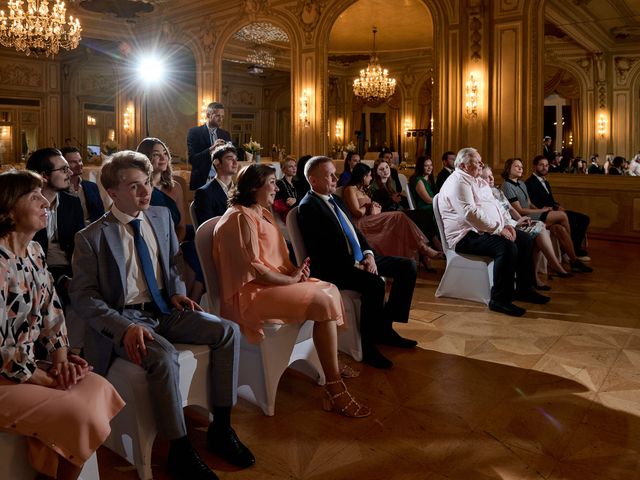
(541,196)
(547,151)
(200,143)
(87,191)
(448,159)
(595,168)
(340,254)
(211,200)
(65,217)
(128,288)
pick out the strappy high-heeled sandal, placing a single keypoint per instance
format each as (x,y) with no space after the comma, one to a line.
(329,403)
(347,371)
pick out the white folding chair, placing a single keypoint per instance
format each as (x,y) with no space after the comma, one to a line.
(468,277)
(134,430)
(192,214)
(349,340)
(407,191)
(261,365)
(15,464)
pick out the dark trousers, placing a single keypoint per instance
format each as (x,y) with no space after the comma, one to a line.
(376,317)
(510,259)
(579,222)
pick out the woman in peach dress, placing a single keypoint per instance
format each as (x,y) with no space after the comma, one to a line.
(259,284)
(61,407)
(389,233)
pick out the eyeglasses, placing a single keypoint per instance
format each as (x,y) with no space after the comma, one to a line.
(64,169)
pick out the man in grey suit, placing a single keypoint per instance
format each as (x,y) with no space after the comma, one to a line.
(129,290)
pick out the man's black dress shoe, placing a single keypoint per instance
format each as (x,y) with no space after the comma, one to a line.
(507,308)
(373,357)
(531,296)
(185,463)
(578,266)
(393,339)
(226,444)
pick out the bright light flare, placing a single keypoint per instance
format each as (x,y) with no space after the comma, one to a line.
(151,70)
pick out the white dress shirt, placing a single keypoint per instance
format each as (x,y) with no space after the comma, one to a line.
(136,287)
(56,256)
(466,204)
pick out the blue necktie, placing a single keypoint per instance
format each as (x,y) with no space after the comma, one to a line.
(147,267)
(346,228)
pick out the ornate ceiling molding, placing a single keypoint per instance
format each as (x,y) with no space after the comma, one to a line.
(475,8)
(309,13)
(207,34)
(623,65)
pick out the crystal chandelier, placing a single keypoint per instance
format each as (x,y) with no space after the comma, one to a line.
(261,57)
(374,82)
(38,30)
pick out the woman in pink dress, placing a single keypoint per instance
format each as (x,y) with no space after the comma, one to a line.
(61,407)
(389,233)
(259,284)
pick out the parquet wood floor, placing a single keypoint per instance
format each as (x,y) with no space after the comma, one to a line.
(553,395)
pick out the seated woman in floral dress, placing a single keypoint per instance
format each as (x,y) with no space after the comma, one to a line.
(61,407)
(258,282)
(389,233)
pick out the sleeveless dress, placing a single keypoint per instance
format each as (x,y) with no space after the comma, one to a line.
(389,233)
(72,423)
(252,304)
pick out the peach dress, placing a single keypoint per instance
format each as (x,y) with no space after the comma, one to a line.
(251,304)
(389,233)
(70,423)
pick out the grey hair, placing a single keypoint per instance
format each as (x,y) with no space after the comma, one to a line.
(464,156)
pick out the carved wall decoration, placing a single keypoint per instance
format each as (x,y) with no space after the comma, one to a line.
(20,75)
(207,34)
(242,97)
(585,64)
(623,65)
(602,94)
(509,5)
(97,83)
(309,13)
(253,7)
(475,29)
(170,32)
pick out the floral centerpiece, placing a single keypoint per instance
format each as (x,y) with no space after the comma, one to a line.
(252,150)
(109,147)
(350,147)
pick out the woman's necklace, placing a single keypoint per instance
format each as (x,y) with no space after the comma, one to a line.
(290,189)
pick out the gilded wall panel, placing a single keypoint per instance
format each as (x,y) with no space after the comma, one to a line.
(507,85)
(620,131)
(22,75)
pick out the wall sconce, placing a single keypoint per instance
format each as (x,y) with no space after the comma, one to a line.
(111,134)
(602,125)
(407,125)
(339,130)
(471,93)
(91,121)
(127,119)
(203,111)
(304,109)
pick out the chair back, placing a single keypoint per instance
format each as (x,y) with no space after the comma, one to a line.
(436,213)
(204,247)
(404,185)
(295,236)
(192,214)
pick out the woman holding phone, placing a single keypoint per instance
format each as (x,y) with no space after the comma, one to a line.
(258,282)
